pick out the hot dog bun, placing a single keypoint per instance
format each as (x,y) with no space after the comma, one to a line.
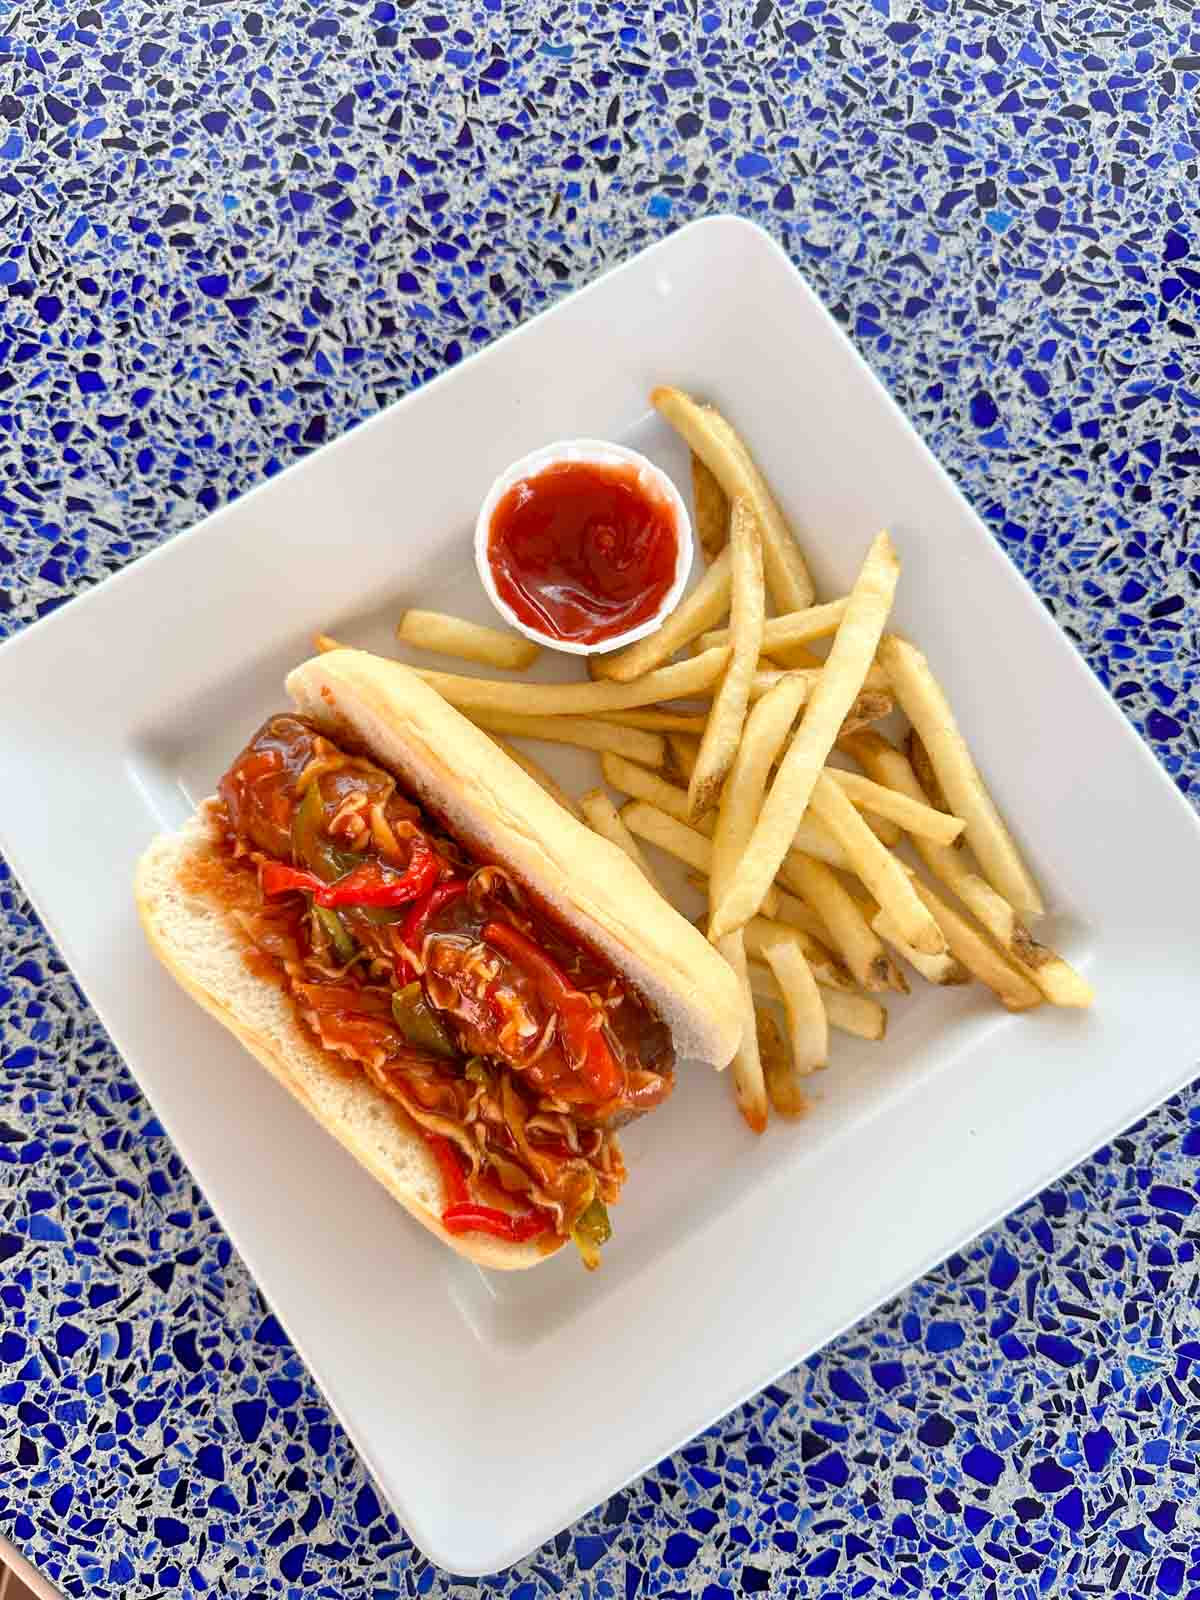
(187,891)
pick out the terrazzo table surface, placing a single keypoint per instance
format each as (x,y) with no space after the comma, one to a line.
(232,231)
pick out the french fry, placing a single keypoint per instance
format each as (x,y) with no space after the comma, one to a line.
(859,945)
(784,1091)
(944,970)
(849,1012)
(1055,977)
(748,1083)
(588,733)
(855,1013)
(794,911)
(694,613)
(721,449)
(683,749)
(669,834)
(794,627)
(684,678)
(640,784)
(710,516)
(765,679)
(868,707)
(928,779)
(829,970)
(811,836)
(452,636)
(763,737)
(323,643)
(1007,981)
(911,815)
(653,721)
(877,868)
(602,816)
(673,835)
(799,658)
(748,601)
(787,799)
(926,707)
(885,830)
(808,1031)
(539,775)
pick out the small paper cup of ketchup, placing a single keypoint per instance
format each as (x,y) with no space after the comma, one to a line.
(583,546)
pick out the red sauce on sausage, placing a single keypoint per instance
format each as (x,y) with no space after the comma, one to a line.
(583,552)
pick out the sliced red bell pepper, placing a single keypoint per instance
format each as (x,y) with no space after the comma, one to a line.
(585,1044)
(275,878)
(453,1180)
(369,885)
(500,1224)
(412,929)
(460,1214)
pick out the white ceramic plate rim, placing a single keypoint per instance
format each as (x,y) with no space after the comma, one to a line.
(722,1344)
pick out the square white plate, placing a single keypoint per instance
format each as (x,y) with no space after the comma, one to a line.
(494,1409)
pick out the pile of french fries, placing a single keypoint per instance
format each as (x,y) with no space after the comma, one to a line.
(810,868)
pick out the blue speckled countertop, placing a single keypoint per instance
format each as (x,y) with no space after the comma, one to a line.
(230,231)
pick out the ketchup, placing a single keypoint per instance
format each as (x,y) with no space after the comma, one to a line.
(582,551)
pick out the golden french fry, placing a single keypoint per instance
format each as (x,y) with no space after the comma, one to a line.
(808,1030)
(694,613)
(579,699)
(904,812)
(748,601)
(672,834)
(779,1073)
(860,947)
(885,830)
(539,775)
(829,970)
(944,969)
(641,784)
(721,449)
(869,706)
(794,627)
(855,1013)
(747,1066)
(926,707)
(761,930)
(765,732)
(850,1012)
(1055,977)
(799,658)
(652,721)
(602,816)
(587,733)
(453,636)
(765,679)
(876,867)
(710,513)
(814,839)
(323,644)
(837,688)
(669,834)
(1006,980)
(683,750)
(811,836)
(928,779)
(794,911)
